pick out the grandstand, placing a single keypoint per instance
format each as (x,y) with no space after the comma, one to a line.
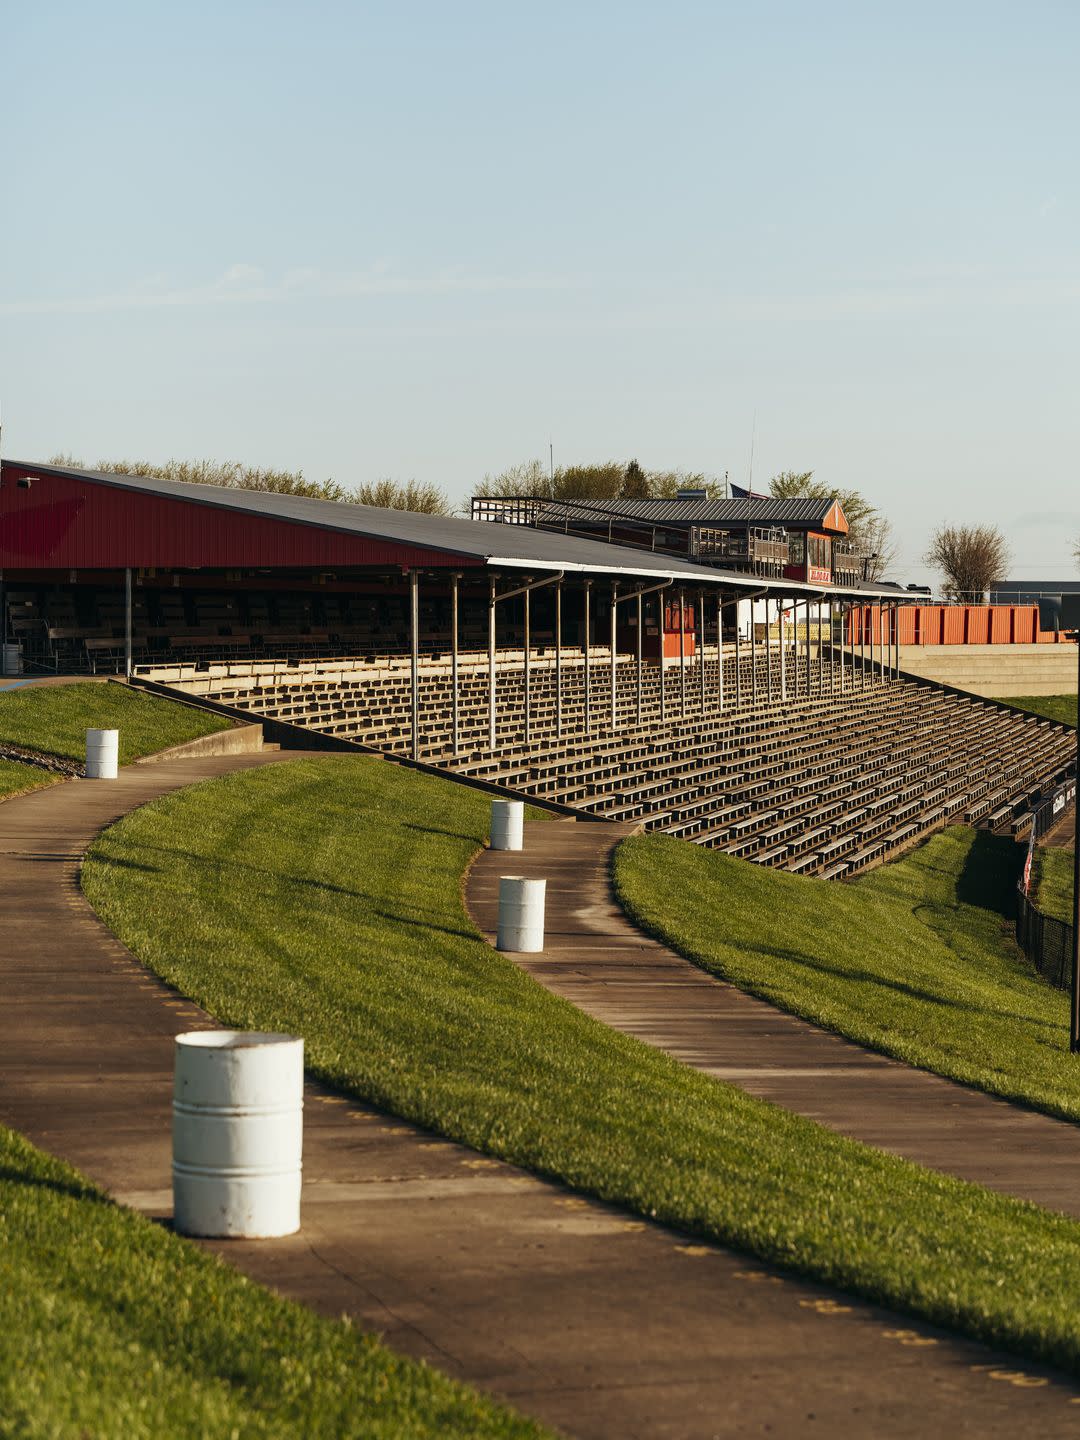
(607,679)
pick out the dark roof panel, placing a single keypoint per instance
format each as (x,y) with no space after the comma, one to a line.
(756,511)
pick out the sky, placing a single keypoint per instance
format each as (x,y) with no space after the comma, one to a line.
(426,240)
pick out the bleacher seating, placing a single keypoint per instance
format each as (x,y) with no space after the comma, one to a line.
(827,783)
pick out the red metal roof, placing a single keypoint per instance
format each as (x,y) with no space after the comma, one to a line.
(62,520)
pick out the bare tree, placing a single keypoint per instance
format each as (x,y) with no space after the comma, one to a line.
(232,475)
(416,495)
(972,558)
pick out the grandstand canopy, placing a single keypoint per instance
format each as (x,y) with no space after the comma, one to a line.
(59,518)
(797,513)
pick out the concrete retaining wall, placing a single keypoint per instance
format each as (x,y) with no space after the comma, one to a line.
(999,670)
(241,740)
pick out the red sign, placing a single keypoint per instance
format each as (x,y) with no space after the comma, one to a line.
(818,574)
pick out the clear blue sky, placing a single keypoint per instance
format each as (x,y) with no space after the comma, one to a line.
(418,240)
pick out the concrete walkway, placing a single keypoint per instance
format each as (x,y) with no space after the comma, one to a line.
(591,1319)
(597,959)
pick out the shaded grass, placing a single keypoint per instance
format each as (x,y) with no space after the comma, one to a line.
(916,959)
(1053,707)
(55,718)
(16,778)
(323,896)
(112,1326)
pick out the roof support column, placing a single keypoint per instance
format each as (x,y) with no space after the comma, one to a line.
(701,652)
(558,660)
(768,651)
(682,655)
(720,651)
(491,664)
(783,657)
(870,614)
(862,646)
(753,656)
(127,622)
(640,642)
(832,666)
(614,604)
(414,660)
(528,637)
(843,642)
(588,717)
(896,639)
(454,678)
(820,648)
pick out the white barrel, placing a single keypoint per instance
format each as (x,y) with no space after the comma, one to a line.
(102,754)
(521,914)
(10,659)
(507,824)
(238,1121)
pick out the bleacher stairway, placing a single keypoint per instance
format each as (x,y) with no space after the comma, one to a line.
(830,783)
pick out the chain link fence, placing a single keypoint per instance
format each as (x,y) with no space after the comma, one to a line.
(1046,941)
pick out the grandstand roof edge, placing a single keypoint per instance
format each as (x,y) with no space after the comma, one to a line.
(458,538)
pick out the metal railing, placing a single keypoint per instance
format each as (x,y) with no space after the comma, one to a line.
(1045,940)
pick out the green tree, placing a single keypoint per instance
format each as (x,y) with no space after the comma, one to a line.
(869,530)
(589,482)
(635,483)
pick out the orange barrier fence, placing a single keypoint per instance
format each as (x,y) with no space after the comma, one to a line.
(949,625)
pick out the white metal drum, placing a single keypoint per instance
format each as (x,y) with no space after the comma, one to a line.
(521,914)
(238,1111)
(102,754)
(507,824)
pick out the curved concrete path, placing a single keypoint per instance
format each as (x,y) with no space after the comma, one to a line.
(586,1317)
(596,958)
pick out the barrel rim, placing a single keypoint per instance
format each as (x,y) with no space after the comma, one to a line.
(236,1039)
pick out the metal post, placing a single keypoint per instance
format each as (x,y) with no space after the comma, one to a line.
(820,649)
(881,641)
(768,651)
(414,657)
(454,680)
(682,656)
(588,588)
(862,646)
(1074,1009)
(896,641)
(614,605)
(639,652)
(528,633)
(738,661)
(843,643)
(662,632)
(127,622)
(795,642)
(720,651)
(783,659)
(558,660)
(832,638)
(701,646)
(753,656)
(491,665)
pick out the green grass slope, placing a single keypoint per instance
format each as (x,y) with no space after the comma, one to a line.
(1054,883)
(112,1326)
(323,896)
(16,778)
(1054,707)
(55,718)
(916,959)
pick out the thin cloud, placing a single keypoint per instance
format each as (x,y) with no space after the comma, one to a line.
(243,284)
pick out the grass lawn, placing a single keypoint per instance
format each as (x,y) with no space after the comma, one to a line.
(323,896)
(1054,883)
(15,778)
(55,718)
(112,1326)
(916,959)
(1054,707)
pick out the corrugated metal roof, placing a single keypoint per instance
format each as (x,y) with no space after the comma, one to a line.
(512,546)
(757,511)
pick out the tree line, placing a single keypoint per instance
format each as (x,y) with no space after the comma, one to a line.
(971,559)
